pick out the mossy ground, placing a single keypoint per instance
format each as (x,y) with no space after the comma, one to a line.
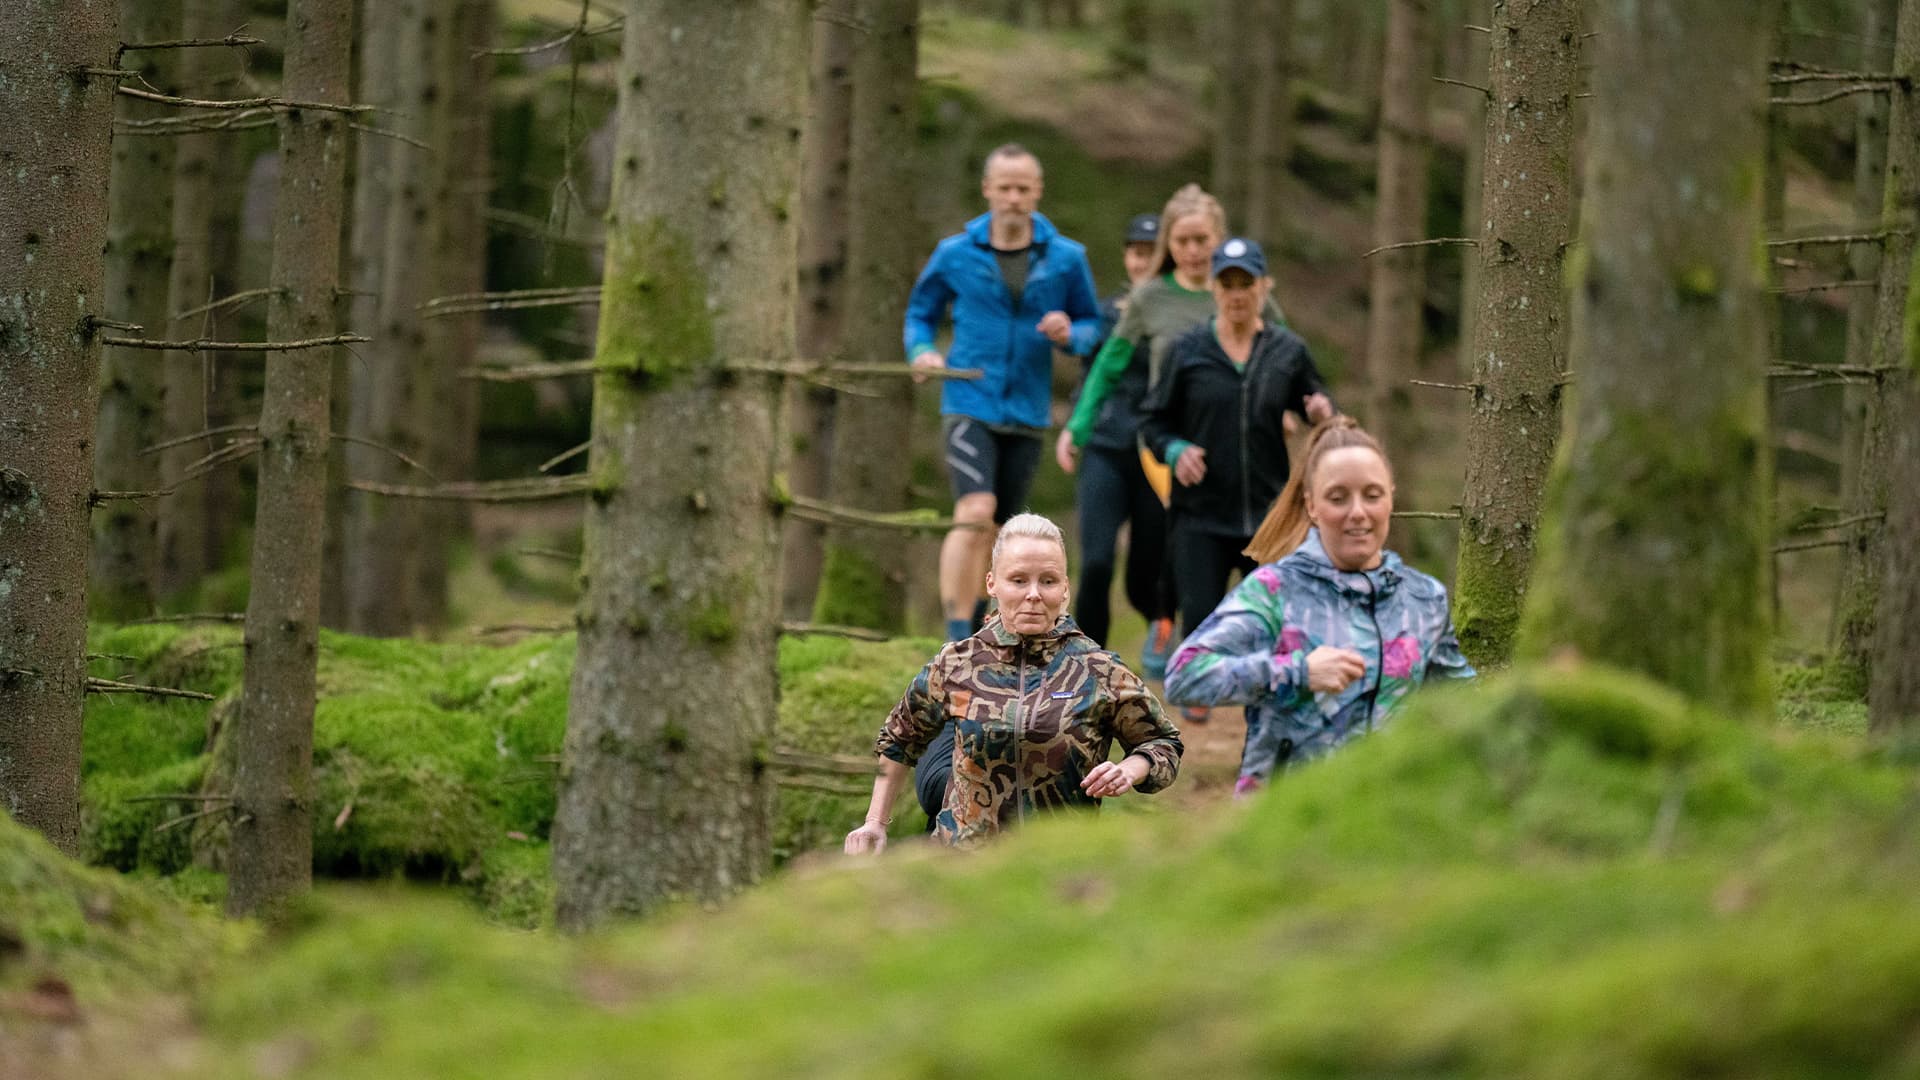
(1566,873)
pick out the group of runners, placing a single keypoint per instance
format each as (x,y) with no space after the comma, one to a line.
(1193,384)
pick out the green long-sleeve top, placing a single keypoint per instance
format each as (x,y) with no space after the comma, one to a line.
(1157,313)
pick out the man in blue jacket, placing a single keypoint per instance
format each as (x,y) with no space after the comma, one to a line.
(1017,290)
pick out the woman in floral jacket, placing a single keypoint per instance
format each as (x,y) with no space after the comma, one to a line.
(1035,707)
(1323,641)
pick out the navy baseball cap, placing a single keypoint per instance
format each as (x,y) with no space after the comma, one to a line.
(1239,252)
(1143,229)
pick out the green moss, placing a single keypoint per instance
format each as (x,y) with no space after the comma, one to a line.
(1696,284)
(712,623)
(655,319)
(854,591)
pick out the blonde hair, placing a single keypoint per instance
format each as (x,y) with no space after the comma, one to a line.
(1287,523)
(1186,202)
(1027,527)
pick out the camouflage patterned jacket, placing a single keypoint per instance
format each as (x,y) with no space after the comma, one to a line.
(1031,717)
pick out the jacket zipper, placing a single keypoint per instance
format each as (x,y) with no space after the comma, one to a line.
(1379,648)
(1246,493)
(1019,708)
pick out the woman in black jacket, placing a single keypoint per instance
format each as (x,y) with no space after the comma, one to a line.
(1216,418)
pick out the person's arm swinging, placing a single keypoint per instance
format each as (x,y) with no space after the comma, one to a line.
(871,837)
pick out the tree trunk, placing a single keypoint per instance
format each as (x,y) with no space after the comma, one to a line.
(227,501)
(139,251)
(823,284)
(865,580)
(1882,432)
(1655,547)
(1863,260)
(1894,679)
(1397,280)
(386,550)
(272,854)
(1477,69)
(460,168)
(1132,51)
(1269,139)
(183,549)
(1519,348)
(664,792)
(53,217)
(1233,78)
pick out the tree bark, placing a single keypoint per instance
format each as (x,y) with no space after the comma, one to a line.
(1478,69)
(386,544)
(1269,140)
(1233,79)
(272,854)
(663,790)
(1893,695)
(1396,281)
(865,579)
(53,221)
(139,251)
(1889,419)
(1519,347)
(1655,549)
(823,284)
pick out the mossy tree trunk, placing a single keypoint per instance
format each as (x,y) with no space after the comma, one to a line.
(824,176)
(139,251)
(663,790)
(1519,347)
(1655,547)
(53,226)
(1397,279)
(1233,74)
(387,543)
(272,849)
(1860,582)
(1863,260)
(1894,687)
(865,579)
(1269,138)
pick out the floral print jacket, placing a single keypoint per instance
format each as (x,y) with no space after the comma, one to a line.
(1252,651)
(1032,715)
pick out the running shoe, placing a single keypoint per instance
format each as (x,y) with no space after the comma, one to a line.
(1158,649)
(1195,714)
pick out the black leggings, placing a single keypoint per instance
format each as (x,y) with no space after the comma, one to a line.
(1113,489)
(1202,563)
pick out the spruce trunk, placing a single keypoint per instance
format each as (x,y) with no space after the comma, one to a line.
(1519,347)
(1233,76)
(1860,584)
(272,853)
(664,789)
(865,579)
(139,251)
(1270,134)
(1655,548)
(1397,279)
(1863,260)
(53,218)
(823,284)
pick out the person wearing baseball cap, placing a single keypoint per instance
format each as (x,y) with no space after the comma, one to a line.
(1216,417)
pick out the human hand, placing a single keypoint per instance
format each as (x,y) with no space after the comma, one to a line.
(927,361)
(1191,467)
(1056,327)
(1063,451)
(1319,408)
(1331,670)
(869,839)
(1108,778)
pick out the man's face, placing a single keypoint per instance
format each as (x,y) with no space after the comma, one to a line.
(1012,186)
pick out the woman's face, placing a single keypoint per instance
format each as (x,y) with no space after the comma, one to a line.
(1192,239)
(1029,582)
(1238,295)
(1138,259)
(1350,501)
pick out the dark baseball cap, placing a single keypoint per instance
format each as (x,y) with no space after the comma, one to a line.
(1241,253)
(1143,229)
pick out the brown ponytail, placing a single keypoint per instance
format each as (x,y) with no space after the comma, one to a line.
(1287,523)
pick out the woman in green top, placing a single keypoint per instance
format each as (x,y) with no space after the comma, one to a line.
(1106,419)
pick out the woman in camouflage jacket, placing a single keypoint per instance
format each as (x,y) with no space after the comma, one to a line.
(1036,706)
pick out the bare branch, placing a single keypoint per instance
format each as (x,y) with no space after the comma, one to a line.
(386,133)
(233,346)
(1471,387)
(112,686)
(97,497)
(1468,85)
(575,32)
(404,459)
(1824,286)
(1875,237)
(501,491)
(1467,240)
(911,521)
(565,455)
(1809,545)
(1831,95)
(833,764)
(510,300)
(243,120)
(233,40)
(197,436)
(223,808)
(94,322)
(857,633)
(1821,75)
(531,372)
(1854,519)
(242,103)
(233,451)
(1433,515)
(235,300)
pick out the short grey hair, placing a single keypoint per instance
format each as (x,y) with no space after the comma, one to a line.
(1010,150)
(1028,527)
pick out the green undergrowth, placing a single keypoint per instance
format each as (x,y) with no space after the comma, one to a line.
(1568,874)
(433,761)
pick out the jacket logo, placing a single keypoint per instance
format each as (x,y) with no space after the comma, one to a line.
(1059,694)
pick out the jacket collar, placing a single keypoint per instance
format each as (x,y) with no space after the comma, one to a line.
(995,632)
(1311,558)
(980,230)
